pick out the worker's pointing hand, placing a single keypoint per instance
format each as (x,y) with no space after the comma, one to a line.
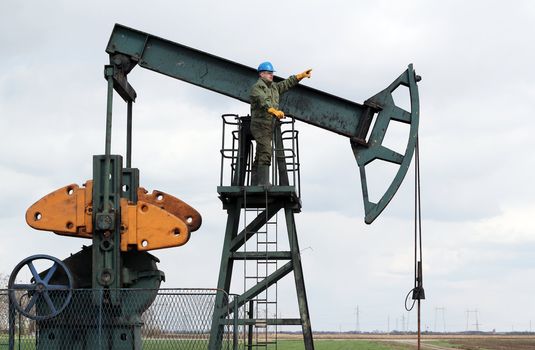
(305,74)
(278,114)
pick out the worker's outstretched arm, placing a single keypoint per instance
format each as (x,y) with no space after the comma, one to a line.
(287,84)
(292,81)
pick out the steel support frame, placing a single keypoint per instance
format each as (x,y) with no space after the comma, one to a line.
(229,255)
(234,240)
(111,182)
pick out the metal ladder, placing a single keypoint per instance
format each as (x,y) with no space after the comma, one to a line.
(263,306)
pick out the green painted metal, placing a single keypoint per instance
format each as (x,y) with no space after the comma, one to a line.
(129,135)
(130,184)
(261,286)
(106,265)
(254,226)
(280,198)
(270,322)
(120,322)
(233,79)
(225,274)
(108,74)
(374,150)
(128,47)
(299,279)
(279,255)
(112,269)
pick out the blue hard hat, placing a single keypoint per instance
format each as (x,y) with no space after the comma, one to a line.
(265,66)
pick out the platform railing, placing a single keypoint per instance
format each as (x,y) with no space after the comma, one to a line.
(234,127)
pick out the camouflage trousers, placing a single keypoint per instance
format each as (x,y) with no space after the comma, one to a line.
(263,134)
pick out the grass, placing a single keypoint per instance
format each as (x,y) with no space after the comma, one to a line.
(25,343)
(490,343)
(443,343)
(327,344)
(485,343)
(330,344)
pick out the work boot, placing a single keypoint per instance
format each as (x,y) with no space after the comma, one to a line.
(263,175)
(254,175)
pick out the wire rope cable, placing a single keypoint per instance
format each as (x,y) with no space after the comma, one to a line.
(417,290)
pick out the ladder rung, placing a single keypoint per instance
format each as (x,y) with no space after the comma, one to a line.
(269,321)
(258,345)
(266,255)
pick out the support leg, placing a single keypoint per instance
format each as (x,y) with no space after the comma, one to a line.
(299,279)
(225,275)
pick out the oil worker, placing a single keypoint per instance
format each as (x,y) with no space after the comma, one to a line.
(265,95)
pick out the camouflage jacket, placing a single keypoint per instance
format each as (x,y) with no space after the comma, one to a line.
(266,94)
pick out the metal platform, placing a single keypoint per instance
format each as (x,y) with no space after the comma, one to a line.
(260,196)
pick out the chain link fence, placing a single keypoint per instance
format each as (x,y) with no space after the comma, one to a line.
(113,319)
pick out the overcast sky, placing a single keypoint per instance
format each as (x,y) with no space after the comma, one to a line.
(476,133)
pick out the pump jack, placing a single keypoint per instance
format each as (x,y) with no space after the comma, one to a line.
(124,221)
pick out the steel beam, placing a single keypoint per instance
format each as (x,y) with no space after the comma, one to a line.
(235,80)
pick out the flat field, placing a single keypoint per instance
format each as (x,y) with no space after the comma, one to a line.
(351,342)
(342,344)
(366,342)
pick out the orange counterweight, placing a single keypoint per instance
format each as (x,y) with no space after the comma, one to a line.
(158,220)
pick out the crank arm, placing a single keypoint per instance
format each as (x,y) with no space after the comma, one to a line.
(66,211)
(145,226)
(173,205)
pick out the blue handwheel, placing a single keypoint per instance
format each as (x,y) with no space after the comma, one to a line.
(45,299)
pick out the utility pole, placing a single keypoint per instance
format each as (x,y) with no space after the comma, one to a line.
(476,314)
(444,318)
(357,321)
(388,325)
(435,328)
